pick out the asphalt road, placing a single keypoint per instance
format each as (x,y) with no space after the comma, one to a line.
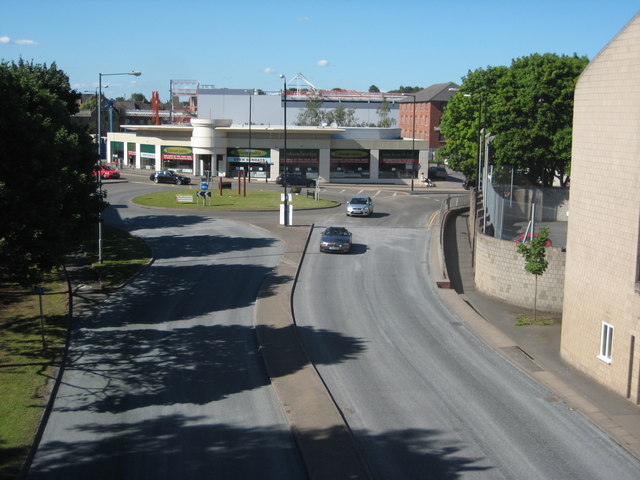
(423,395)
(165,381)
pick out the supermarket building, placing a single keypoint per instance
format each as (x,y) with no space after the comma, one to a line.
(347,155)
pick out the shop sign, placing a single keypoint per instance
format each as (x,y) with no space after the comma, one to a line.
(177,153)
(397,156)
(248,155)
(349,156)
(299,155)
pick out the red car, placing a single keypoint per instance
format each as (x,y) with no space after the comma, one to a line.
(106,171)
(521,238)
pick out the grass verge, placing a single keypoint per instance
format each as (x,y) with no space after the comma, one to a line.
(524,320)
(123,255)
(25,369)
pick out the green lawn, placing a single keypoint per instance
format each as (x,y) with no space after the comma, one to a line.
(24,367)
(25,370)
(231,200)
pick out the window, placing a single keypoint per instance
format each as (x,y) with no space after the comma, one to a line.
(606,341)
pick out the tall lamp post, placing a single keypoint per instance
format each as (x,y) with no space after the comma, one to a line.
(284,164)
(99,142)
(413,142)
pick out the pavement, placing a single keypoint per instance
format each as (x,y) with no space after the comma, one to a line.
(535,349)
(319,428)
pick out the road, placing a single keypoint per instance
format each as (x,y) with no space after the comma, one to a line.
(165,380)
(425,397)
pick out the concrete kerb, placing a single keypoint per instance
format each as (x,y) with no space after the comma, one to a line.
(324,439)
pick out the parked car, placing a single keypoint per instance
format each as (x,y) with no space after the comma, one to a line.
(437,172)
(169,176)
(523,238)
(360,205)
(335,239)
(469,183)
(295,179)
(106,171)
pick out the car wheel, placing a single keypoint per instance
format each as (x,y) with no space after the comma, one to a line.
(156,180)
(178,182)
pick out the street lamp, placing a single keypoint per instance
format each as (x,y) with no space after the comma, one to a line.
(284,174)
(99,142)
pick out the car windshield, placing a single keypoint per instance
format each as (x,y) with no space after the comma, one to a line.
(335,231)
(358,201)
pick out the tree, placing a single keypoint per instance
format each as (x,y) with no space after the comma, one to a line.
(343,117)
(533,116)
(535,259)
(527,106)
(403,89)
(138,97)
(49,198)
(383,112)
(462,115)
(374,89)
(313,115)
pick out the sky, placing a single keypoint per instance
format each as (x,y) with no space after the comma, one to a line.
(348,44)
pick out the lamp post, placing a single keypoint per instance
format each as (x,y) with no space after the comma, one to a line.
(284,174)
(99,142)
(413,141)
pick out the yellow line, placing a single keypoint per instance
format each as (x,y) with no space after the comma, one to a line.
(432,218)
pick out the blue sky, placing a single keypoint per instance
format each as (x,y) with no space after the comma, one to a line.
(347,44)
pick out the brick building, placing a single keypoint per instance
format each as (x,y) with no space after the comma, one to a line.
(428,105)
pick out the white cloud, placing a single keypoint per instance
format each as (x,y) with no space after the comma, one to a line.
(303,19)
(7,40)
(269,70)
(322,63)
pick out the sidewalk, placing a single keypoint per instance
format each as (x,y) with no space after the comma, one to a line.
(535,349)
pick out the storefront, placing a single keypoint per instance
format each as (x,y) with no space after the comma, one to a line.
(305,162)
(253,162)
(398,164)
(177,158)
(148,156)
(350,163)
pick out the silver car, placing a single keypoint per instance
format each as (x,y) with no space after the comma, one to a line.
(360,205)
(335,239)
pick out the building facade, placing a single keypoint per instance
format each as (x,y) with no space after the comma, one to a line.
(426,107)
(601,313)
(219,148)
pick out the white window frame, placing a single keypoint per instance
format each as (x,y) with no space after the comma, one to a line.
(606,342)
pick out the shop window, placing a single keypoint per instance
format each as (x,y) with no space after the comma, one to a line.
(606,342)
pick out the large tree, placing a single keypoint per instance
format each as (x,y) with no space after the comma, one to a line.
(528,107)
(49,197)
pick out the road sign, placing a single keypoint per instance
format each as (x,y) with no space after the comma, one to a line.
(204,186)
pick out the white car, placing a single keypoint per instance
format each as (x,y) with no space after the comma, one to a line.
(360,205)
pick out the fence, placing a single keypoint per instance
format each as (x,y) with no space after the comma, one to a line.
(506,209)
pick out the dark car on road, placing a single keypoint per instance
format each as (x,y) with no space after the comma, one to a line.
(169,176)
(295,179)
(335,239)
(435,173)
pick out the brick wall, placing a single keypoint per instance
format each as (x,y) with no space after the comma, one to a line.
(603,241)
(500,272)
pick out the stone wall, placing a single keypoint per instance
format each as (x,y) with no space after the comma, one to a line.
(499,272)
